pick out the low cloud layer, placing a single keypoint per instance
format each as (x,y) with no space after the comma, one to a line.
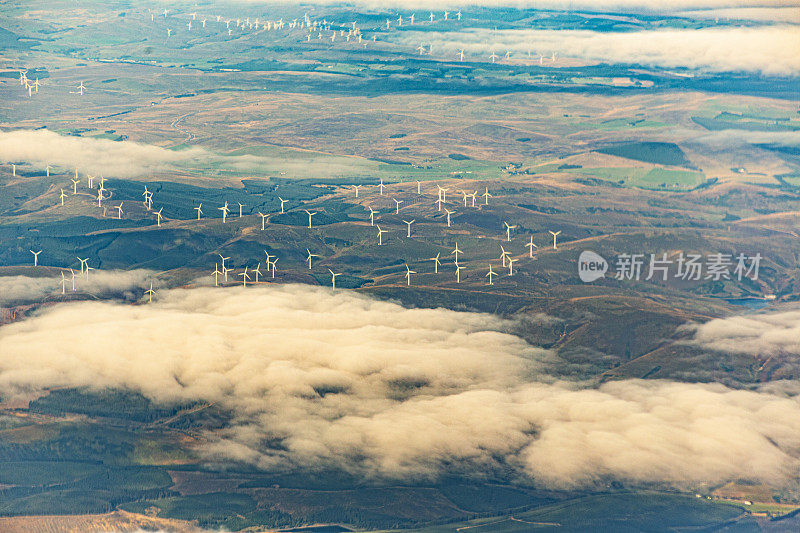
(761,335)
(769,50)
(128,159)
(103,283)
(370,387)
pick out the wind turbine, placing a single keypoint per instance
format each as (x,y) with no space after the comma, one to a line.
(456,252)
(371,216)
(263,220)
(465,194)
(408,223)
(508,230)
(333,278)
(282,202)
(486,195)
(461,55)
(150,292)
(119,211)
(224,210)
(511,266)
(199,210)
(273,265)
(63,195)
(412,18)
(81,88)
(356,188)
(408,275)
(257,271)
(421,49)
(245,276)
(397,206)
(491,275)
(380,235)
(216,274)
(493,57)
(448,215)
(90,179)
(442,192)
(458,15)
(310,255)
(73,279)
(555,235)
(224,270)
(63,283)
(241,205)
(75,186)
(439,203)
(458,272)
(380,185)
(310,214)
(419,188)
(100,199)
(436,263)
(47,169)
(504,255)
(531,245)
(158,217)
(35,257)
(83,263)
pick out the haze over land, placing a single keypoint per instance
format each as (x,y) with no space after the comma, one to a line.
(267,266)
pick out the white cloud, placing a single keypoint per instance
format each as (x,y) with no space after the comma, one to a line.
(368,386)
(767,50)
(25,289)
(761,335)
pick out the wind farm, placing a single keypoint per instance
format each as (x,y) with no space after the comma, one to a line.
(356,267)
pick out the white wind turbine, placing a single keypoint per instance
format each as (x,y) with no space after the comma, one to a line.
(100,199)
(448,215)
(456,251)
(282,202)
(511,266)
(224,270)
(436,263)
(356,188)
(473,195)
(35,257)
(397,206)
(159,217)
(461,55)
(491,274)
(199,210)
(63,283)
(263,220)
(150,292)
(310,214)
(381,186)
(408,275)
(465,194)
(380,235)
(90,179)
(257,271)
(419,188)
(504,255)
(458,272)
(83,264)
(224,210)
(119,211)
(408,223)
(241,205)
(333,278)
(245,276)
(75,186)
(273,266)
(308,259)
(493,57)
(442,192)
(555,235)
(508,230)
(63,195)
(47,169)
(371,216)
(73,279)
(531,245)
(216,274)
(81,88)
(439,203)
